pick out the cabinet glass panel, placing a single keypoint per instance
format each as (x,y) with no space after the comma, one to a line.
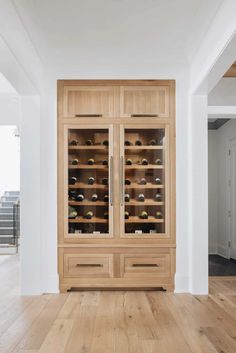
(144,181)
(88,182)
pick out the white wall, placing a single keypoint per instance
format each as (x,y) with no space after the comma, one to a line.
(213,190)
(218,147)
(224,93)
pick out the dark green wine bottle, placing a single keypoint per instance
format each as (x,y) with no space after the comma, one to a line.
(142,181)
(158,197)
(159,215)
(72,213)
(143,215)
(106,198)
(127,143)
(158,161)
(105,143)
(126,215)
(88,215)
(138,143)
(80,197)
(75,161)
(105,162)
(73,143)
(144,161)
(127,181)
(89,142)
(128,161)
(127,198)
(94,197)
(91,180)
(90,161)
(152,142)
(72,194)
(157,181)
(105,181)
(73,180)
(106,215)
(141,197)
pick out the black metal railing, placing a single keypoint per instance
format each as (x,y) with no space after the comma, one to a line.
(16,224)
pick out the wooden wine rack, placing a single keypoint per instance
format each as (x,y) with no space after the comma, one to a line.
(111,121)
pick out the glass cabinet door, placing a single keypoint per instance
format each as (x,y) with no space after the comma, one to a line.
(144,187)
(88,191)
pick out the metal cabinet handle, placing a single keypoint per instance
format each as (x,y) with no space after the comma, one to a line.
(121,180)
(111,180)
(88,115)
(144,115)
(145,265)
(89,265)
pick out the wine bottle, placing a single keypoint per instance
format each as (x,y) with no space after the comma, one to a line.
(152,142)
(129,161)
(80,197)
(91,180)
(127,181)
(141,197)
(105,181)
(159,215)
(106,198)
(88,215)
(128,143)
(158,161)
(72,213)
(75,161)
(158,197)
(157,181)
(73,180)
(143,215)
(72,194)
(127,198)
(142,181)
(106,215)
(144,161)
(138,143)
(126,215)
(73,143)
(105,162)
(90,161)
(105,143)
(89,142)
(94,197)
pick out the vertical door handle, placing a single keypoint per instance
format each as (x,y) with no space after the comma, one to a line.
(121,180)
(111,181)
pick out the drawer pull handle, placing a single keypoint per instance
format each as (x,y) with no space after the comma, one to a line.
(144,115)
(145,265)
(89,265)
(88,115)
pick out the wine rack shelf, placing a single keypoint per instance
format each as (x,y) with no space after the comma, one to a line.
(86,166)
(136,148)
(136,219)
(149,166)
(147,202)
(84,220)
(105,148)
(87,203)
(147,186)
(87,186)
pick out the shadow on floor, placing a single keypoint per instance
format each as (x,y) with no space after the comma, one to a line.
(219,266)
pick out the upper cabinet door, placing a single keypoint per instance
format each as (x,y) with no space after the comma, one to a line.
(145,101)
(88,101)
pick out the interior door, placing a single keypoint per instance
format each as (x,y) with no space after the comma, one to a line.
(88,193)
(144,188)
(233,198)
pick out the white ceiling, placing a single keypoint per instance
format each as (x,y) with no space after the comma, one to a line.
(68,32)
(5,86)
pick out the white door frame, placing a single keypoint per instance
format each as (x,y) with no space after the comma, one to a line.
(229,199)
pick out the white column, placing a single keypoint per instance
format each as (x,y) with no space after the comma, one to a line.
(199,195)
(30,275)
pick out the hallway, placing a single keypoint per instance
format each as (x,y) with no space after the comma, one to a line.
(121,322)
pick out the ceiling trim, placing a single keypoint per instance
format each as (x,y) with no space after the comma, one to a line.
(215,125)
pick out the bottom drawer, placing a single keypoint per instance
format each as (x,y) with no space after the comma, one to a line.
(143,265)
(88,265)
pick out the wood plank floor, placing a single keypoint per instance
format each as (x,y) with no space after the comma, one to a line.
(116,322)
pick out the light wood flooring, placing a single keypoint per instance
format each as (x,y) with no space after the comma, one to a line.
(116,322)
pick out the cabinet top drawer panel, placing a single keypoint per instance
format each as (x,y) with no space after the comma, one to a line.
(145,101)
(87,101)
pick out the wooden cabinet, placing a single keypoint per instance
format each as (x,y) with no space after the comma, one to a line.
(116,184)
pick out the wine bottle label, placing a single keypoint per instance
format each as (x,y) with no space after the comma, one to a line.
(141,197)
(129,161)
(127,197)
(157,181)
(105,181)
(127,181)
(73,143)
(158,161)
(75,161)
(90,161)
(94,197)
(89,142)
(143,181)
(144,161)
(91,181)
(138,143)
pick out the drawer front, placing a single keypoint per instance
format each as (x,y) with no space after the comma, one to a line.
(90,102)
(88,265)
(143,265)
(148,101)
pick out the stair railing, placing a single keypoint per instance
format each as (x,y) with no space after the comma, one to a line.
(16,224)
